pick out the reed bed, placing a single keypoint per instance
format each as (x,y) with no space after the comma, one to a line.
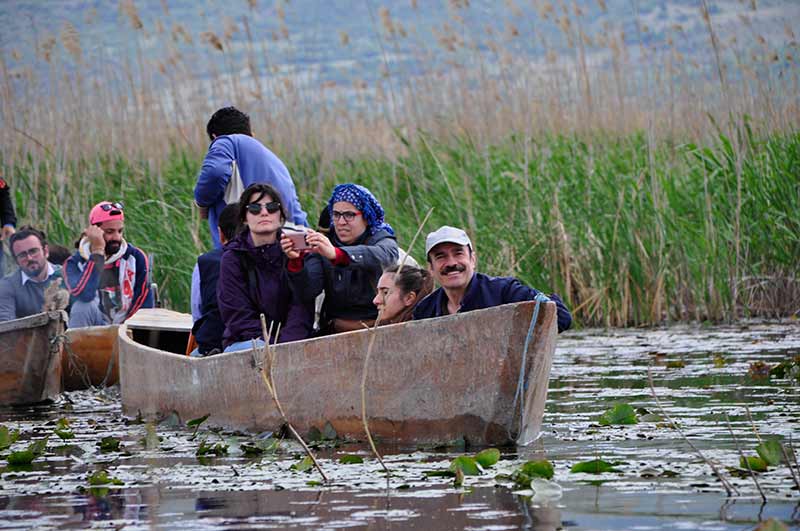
(640,181)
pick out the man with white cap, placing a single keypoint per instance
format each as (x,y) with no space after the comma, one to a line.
(451,259)
(107,277)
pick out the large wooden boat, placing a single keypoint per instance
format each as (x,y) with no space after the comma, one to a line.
(429,381)
(90,357)
(30,358)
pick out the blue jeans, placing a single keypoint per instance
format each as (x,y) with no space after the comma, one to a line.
(83,314)
(244,345)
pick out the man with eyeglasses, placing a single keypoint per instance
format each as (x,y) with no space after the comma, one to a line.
(234,161)
(107,276)
(22,292)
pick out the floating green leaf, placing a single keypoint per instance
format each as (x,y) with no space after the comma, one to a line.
(211,449)
(198,421)
(595,466)
(488,457)
(259,447)
(7,437)
(771,452)
(303,465)
(676,364)
(542,469)
(756,463)
(109,444)
(619,414)
(101,477)
(351,459)
(23,457)
(63,430)
(467,465)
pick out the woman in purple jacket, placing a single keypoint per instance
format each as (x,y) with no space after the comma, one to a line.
(253,278)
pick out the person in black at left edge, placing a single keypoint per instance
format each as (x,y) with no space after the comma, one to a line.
(8,221)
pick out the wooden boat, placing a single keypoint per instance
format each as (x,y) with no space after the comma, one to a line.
(90,357)
(429,381)
(30,358)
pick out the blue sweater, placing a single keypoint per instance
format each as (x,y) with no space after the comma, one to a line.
(256,163)
(484,292)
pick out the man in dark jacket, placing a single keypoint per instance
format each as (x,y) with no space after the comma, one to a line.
(208,326)
(451,258)
(107,277)
(8,221)
(22,292)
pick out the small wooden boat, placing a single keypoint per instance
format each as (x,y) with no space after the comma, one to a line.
(30,358)
(429,381)
(90,357)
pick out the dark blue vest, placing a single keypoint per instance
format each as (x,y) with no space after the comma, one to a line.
(209,328)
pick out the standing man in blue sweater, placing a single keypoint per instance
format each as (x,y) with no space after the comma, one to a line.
(451,259)
(233,146)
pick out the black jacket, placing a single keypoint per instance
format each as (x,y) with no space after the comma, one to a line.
(7,216)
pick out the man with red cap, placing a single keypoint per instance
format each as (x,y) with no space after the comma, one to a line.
(107,277)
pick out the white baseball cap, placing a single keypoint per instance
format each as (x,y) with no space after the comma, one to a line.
(446,234)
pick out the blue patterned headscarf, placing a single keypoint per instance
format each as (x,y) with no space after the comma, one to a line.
(363,200)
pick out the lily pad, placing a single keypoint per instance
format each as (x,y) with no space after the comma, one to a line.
(211,449)
(101,477)
(676,364)
(541,469)
(595,466)
(756,463)
(467,465)
(259,447)
(26,457)
(351,459)
(304,465)
(7,437)
(488,457)
(770,452)
(619,414)
(63,430)
(109,444)
(196,423)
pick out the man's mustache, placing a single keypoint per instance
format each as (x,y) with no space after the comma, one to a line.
(453,268)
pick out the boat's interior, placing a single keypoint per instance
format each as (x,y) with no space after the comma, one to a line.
(167,340)
(162,329)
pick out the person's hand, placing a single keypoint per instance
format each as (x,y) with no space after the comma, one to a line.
(320,243)
(97,243)
(288,247)
(6,233)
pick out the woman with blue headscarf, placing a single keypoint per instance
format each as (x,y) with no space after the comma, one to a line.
(347,264)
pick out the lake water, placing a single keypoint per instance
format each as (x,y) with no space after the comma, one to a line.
(701,374)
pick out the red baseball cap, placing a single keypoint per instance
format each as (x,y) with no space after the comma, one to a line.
(106,211)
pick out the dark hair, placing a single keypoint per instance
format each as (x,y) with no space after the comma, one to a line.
(228,221)
(26,232)
(261,189)
(411,279)
(228,121)
(58,254)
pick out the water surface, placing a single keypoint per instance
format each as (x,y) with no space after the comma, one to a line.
(702,375)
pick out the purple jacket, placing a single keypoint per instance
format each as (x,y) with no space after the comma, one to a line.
(253,280)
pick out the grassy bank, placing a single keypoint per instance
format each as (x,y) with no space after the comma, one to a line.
(630,231)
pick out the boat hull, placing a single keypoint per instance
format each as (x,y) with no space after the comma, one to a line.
(90,357)
(30,358)
(429,381)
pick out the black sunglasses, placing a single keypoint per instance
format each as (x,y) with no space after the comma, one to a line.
(255,208)
(111,206)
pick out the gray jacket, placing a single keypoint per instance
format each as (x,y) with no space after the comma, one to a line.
(18,300)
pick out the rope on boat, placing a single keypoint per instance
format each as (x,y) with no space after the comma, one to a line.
(75,365)
(522,385)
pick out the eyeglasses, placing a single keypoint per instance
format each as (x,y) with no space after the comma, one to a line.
(348,215)
(111,206)
(255,208)
(30,253)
